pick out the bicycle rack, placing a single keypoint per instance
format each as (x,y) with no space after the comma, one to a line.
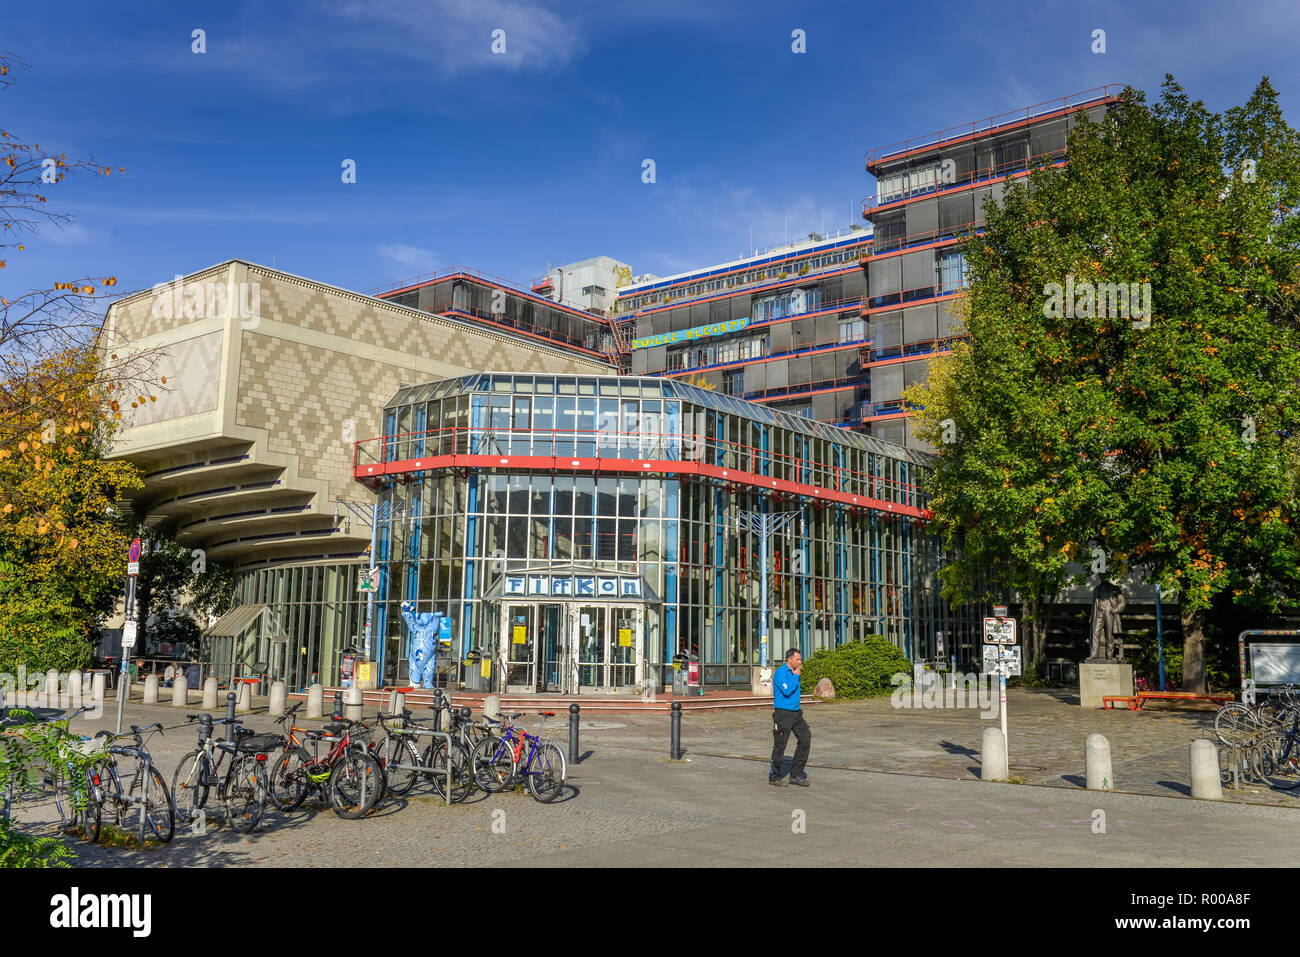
(416,732)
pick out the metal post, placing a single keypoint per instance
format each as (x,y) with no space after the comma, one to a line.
(762,551)
(573,733)
(123,684)
(675,732)
(1002,682)
(370,596)
(338,706)
(230,716)
(1160,639)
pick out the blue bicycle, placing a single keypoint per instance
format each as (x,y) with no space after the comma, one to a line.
(498,759)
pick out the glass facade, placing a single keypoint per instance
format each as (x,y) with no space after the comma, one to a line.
(512,493)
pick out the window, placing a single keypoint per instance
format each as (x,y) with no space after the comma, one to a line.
(951,268)
(733,383)
(854,330)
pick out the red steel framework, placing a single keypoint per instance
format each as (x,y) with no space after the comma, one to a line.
(400,455)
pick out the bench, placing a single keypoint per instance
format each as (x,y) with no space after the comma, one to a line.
(1135,701)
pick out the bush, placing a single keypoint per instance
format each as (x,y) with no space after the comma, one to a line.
(858,669)
(20,850)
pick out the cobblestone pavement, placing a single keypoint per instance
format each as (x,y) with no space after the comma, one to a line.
(627,804)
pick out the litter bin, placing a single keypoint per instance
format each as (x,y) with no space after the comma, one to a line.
(475,679)
(680,662)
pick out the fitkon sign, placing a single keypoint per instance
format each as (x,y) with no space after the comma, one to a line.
(573,586)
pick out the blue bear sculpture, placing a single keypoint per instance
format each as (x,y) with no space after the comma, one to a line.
(422,649)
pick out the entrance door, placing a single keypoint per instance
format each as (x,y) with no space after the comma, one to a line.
(519,644)
(606,645)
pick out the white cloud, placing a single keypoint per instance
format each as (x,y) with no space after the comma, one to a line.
(413,257)
(65,234)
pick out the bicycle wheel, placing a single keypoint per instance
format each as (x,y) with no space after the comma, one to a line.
(545,772)
(88,808)
(157,807)
(288,784)
(113,810)
(1233,722)
(354,784)
(493,762)
(1281,761)
(244,793)
(401,780)
(462,776)
(191,784)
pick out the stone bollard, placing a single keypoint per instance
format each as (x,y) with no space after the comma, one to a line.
(244,699)
(210,694)
(98,686)
(52,688)
(150,689)
(1096,757)
(352,704)
(1206,783)
(315,701)
(993,759)
(398,704)
(180,692)
(75,682)
(279,698)
(492,706)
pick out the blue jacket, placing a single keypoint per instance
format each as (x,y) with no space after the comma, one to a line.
(785,689)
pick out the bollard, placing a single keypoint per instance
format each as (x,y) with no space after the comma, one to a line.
(675,732)
(315,701)
(399,703)
(1096,757)
(180,692)
(573,733)
(337,713)
(492,706)
(279,698)
(1206,783)
(52,688)
(230,716)
(993,760)
(244,703)
(352,704)
(98,685)
(74,689)
(151,689)
(210,694)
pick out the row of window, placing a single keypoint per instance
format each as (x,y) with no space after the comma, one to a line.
(779,270)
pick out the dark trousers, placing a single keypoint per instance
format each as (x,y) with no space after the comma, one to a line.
(783,722)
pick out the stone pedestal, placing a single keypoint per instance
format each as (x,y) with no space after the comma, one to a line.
(760,680)
(1103,678)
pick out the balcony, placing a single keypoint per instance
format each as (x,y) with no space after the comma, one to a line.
(1010,169)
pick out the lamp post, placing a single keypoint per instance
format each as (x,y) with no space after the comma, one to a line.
(764,525)
(372,515)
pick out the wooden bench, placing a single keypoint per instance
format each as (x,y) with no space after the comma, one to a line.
(1134,702)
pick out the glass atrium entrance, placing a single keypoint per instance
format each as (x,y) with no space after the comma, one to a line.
(572,647)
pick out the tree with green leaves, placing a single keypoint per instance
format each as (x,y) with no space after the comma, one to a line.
(1089,427)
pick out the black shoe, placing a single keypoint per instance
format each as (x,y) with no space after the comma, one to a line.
(776,781)
(801,780)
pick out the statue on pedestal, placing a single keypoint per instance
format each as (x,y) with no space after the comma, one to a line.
(1107,603)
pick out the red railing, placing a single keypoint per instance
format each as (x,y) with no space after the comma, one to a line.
(827,345)
(992,123)
(750,286)
(513,288)
(641,452)
(971,179)
(501,322)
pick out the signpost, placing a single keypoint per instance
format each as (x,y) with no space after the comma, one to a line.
(1001,658)
(128,627)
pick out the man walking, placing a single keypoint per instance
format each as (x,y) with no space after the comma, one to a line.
(787,716)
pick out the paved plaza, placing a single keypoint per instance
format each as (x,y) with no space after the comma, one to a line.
(890,787)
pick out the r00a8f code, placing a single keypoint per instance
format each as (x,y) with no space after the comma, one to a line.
(1225,898)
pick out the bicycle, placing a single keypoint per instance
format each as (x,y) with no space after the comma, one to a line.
(496,761)
(244,788)
(465,737)
(71,778)
(146,789)
(348,773)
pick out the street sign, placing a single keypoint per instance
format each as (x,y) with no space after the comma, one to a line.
(133,559)
(368,581)
(1002,660)
(999,631)
(128,634)
(999,611)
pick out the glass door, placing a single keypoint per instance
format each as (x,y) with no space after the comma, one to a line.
(519,647)
(551,634)
(624,646)
(589,647)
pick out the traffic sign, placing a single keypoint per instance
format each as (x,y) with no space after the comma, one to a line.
(1002,660)
(133,558)
(999,611)
(999,631)
(368,580)
(128,633)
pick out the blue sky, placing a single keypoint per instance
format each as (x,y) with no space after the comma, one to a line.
(505,161)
